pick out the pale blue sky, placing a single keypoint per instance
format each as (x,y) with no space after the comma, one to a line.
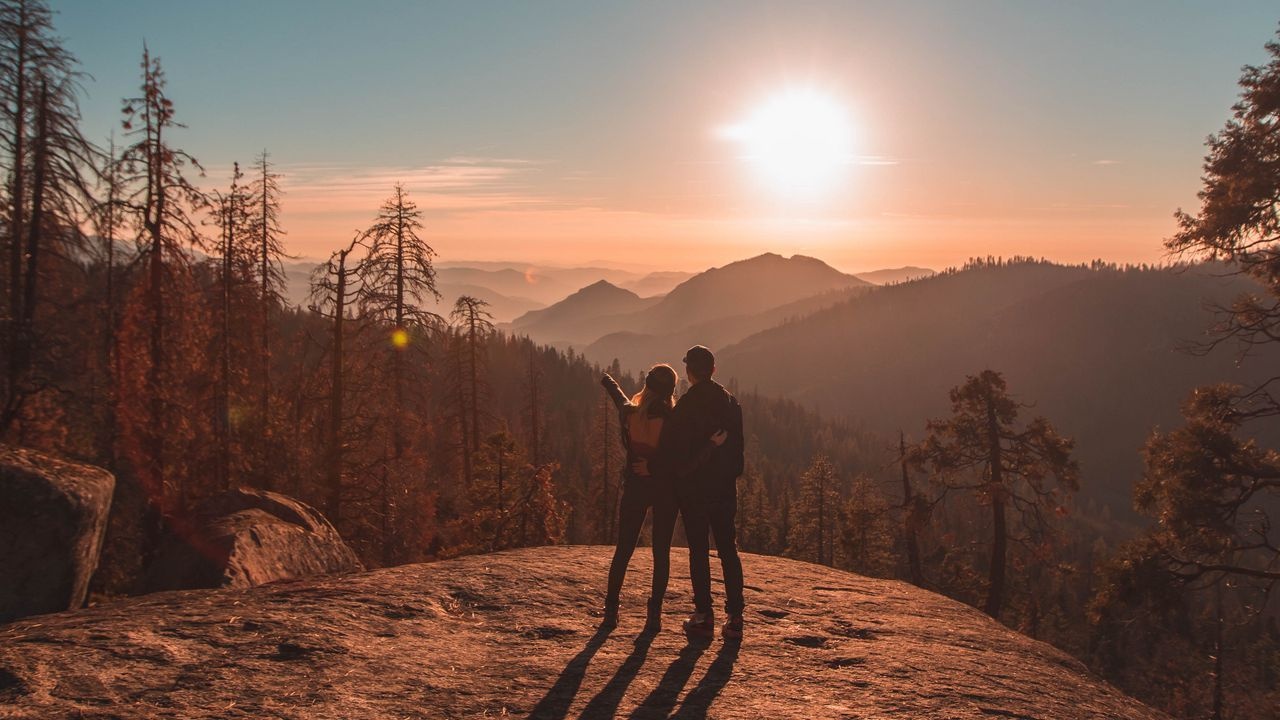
(555,130)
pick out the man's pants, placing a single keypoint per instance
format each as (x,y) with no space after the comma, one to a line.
(714,517)
(637,497)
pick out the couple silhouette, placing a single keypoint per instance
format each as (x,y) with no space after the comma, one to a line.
(683,457)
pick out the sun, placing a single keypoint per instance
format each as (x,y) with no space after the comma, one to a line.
(799,141)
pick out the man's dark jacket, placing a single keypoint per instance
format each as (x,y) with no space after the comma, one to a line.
(706,408)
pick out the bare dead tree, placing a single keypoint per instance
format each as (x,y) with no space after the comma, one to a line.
(332,290)
(266,234)
(159,201)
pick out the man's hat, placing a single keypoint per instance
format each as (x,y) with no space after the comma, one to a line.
(700,358)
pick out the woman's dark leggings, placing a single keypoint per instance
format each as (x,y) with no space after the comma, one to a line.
(637,497)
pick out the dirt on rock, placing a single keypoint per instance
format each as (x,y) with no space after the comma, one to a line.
(518,633)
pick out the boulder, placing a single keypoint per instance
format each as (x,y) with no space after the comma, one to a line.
(53,515)
(248,537)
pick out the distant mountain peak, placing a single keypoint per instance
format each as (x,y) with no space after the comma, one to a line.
(564,319)
(600,289)
(797,265)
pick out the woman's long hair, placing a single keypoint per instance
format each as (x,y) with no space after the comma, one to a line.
(659,387)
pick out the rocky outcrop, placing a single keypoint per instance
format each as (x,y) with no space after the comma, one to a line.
(516,633)
(53,514)
(249,537)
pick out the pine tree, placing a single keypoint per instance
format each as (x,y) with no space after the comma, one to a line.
(107,222)
(538,517)
(1211,488)
(1211,493)
(264,235)
(757,527)
(1237,221)
(474,325)
(158,202)
(231,217)
(980,450)
(914,512)
(492,494)
(866,539)
(606,465)
(813,514)
(1201,477)
(396,276)
(533,409)
(50,165)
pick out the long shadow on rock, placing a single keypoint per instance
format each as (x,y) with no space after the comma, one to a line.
(555,704)
(605,703)
(699,699)
(659,703)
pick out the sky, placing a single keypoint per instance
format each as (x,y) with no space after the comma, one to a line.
(576,133)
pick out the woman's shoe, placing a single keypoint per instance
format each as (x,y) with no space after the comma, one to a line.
(700,625)
(610,618)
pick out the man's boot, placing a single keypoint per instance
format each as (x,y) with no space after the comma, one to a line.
(732,629)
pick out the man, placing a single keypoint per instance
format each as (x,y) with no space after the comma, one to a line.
(706,488)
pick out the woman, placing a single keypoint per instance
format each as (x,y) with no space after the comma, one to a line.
(641,420)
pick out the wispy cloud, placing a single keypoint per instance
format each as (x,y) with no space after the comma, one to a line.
(461,184)
(1105,162)
(359,181)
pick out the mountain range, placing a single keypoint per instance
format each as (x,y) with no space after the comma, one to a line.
(511,289)
(716,307)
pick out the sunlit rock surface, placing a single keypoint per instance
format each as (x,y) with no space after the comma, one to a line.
(53,514)
(249,537)
(515,633)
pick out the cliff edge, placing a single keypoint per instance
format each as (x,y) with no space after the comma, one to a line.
(516,633)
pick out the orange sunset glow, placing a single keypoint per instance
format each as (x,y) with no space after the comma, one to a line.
(597,359)
(906,140)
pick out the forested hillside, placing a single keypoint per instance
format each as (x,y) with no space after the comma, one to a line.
(1103,351)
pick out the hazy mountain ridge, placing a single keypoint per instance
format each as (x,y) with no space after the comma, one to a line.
(513,289)
(744,287)
(530,284)
(890,276)
(637,351)
(716,307)
(501,307)
(581,316)
(656,283)
(1096,351)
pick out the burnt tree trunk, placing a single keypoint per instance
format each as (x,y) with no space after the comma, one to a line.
(909,519)
(1000,533)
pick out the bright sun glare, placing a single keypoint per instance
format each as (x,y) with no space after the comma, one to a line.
(799,141)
